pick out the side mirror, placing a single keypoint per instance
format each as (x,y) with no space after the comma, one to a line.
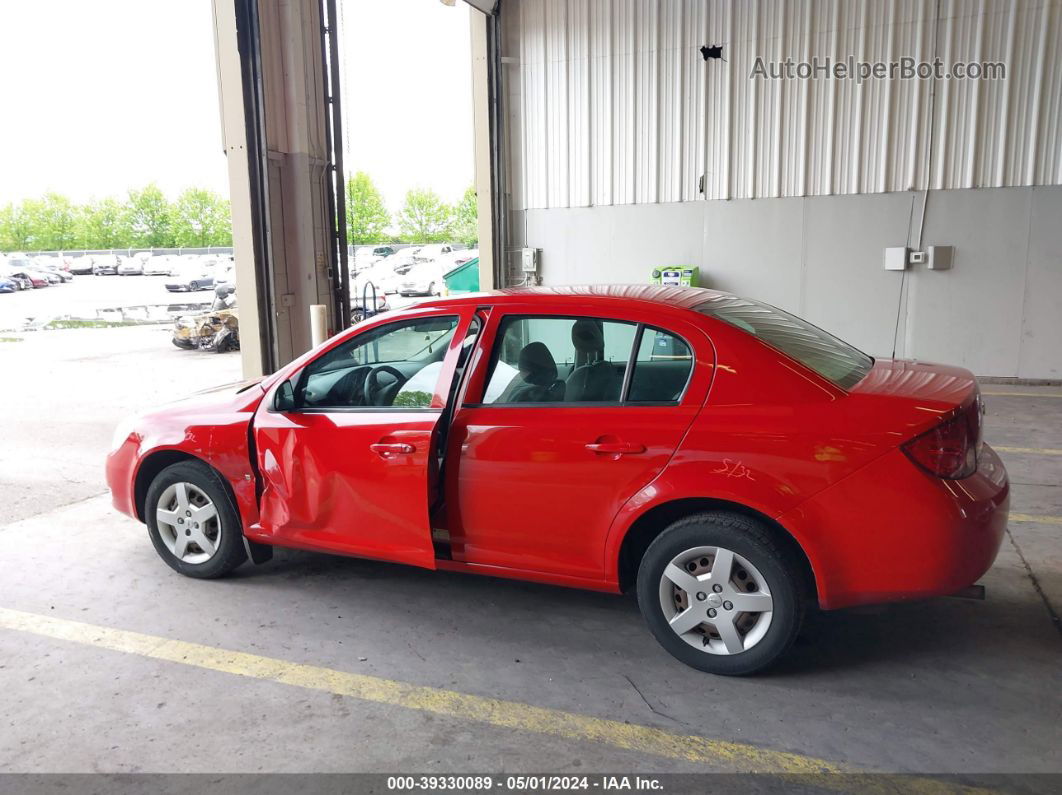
(284,400)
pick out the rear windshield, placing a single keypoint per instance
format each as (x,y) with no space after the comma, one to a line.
(811,346)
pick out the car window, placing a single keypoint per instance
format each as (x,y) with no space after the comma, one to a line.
(559,360)
(396,365)
(816,349)
(662,367)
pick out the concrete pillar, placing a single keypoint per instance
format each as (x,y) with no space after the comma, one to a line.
(234,136)
(295,221)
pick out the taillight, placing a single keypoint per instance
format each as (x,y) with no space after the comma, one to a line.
(950,449)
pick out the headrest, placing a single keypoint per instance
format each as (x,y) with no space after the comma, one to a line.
(536,364)
(588,336)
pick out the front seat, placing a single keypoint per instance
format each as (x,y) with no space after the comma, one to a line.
(539,373)
(594,380)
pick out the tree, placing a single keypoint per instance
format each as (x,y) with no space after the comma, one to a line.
(367,216)
(54,222)
(104,224)
(200,217)
(466,219)
(424,218)
(150,218)
(16,228)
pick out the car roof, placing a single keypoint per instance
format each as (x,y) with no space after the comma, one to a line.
(658,295)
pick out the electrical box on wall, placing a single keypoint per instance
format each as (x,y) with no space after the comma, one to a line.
(895,258)
(529,260)
(938,258)
(676,276)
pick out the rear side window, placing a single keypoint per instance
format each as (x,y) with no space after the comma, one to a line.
(585,360)
(828,356)
(662,367)
(560,360)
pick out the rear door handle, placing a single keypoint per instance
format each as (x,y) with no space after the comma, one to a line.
(387,449)
(615,448)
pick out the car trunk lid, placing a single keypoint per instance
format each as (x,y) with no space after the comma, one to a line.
(921,397)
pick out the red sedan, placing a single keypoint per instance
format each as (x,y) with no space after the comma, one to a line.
(730,461)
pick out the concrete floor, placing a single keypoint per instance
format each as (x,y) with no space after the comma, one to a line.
(939,686)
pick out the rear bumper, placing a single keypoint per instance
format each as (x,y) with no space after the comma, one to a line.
(891,532)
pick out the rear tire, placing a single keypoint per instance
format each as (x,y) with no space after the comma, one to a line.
(192,521)
(721,562)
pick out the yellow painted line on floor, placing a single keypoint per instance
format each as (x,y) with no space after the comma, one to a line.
(1024,394)
(725,754)
(1030,450)
(1024,517)
(495,712)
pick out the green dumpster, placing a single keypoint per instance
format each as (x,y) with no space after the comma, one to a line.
(464,278)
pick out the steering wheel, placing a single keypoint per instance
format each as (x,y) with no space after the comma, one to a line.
(372,384)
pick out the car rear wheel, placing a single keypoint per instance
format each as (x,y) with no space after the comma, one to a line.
(720,594)
(192,522)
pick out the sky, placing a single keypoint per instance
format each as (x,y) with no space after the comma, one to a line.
(120,93)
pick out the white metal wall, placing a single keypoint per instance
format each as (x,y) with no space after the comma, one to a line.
(611,101)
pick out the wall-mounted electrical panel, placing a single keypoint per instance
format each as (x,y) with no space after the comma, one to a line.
(895,258)
(530,259)
(938,258)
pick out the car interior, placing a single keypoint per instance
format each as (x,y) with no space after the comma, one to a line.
(590,370)
(398,365)
(395,365)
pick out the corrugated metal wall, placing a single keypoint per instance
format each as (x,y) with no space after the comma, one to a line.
(612,102)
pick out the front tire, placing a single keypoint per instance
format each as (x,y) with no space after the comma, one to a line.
(720,594)
(192,521)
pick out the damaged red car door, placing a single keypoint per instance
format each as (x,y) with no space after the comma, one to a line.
(345,446)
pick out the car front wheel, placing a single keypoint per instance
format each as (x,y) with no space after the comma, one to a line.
(720,594)
(192,522)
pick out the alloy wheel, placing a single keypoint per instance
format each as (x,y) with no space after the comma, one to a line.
(188,523)
(716,600)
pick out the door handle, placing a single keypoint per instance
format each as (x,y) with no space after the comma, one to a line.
(386,449)
(615,448)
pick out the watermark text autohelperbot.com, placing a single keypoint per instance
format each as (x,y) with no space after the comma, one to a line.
(849,68)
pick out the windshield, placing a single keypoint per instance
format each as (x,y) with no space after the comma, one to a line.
(817,350)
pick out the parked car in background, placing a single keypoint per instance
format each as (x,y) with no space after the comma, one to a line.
(424,278)
(8,285)
(31,278)
(159,265)
(53,269)
(104,265)
(19,261)
(190,277)
(428,277)
(385,275)
(363,258)
(18,278)
(433,251)
(81,265)
(731,499)
(131,266)
(48,262)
